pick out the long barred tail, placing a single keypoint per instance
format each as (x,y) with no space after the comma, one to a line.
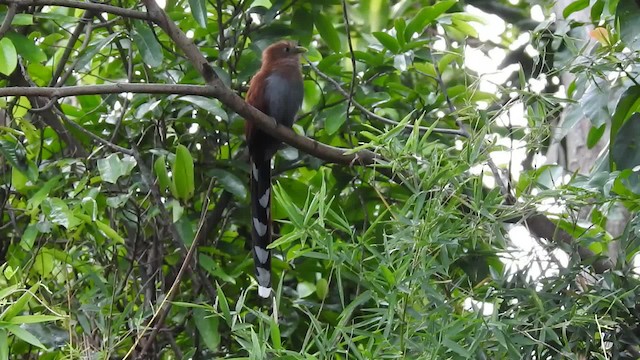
(261,220)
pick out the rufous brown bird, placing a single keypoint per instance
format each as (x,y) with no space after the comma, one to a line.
(276,90)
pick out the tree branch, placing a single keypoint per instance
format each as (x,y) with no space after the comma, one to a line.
(97,7)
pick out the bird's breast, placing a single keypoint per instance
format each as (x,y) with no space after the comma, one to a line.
(283,94)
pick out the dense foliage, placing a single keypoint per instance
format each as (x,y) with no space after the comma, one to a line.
(105,189)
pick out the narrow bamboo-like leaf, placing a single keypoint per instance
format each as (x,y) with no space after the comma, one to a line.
(224,305)
(25,336)
(274,330)
(21,304)
(33,319)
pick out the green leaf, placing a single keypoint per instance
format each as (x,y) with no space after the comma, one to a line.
(628,104)
(322,288)
(91,51)
(106,229)
(19,19)
(457,348)
(33,319)
(596,10)
(43,192)
(261,3)
(377,13)
(4,345)
(57,211)
(274,331)
(159,168)
(328,32)
(43,263)
(29,237)
(147,44)
(211,105)
(425,16)
(302,24)
(627,16)
(595,133)
(230,182)
(334,118)
(20,305)
(199,12)
(112,167)
(8,57)
(182,172)
(595,103)
(26,47)
(212,267)
(305,289)
(388,41)
(625,149)
(223,304)
(207,325)
(25,336)
(574,7)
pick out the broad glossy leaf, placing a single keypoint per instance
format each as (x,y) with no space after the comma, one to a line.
(302,24)
(230,182)
(627,14)
(595,133)
(113,167)
(207,324)
(575,6)
(147,44)
(91,51)
(389,42)
(8,57)
(595,102)
(209,104)
(26,47)
(199,12)
(425,16)
(328,33)
(625,149)
(334,118)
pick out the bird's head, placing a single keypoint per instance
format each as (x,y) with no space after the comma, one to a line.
(282,50)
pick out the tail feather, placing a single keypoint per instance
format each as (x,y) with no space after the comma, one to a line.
(261,220)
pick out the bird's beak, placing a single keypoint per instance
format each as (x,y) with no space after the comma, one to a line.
(299,50)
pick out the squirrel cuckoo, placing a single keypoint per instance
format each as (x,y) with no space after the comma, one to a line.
(276,90)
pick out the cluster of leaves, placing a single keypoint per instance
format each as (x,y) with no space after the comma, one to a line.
(366,266)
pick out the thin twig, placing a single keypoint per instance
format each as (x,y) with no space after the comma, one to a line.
(8,18)
(97,7)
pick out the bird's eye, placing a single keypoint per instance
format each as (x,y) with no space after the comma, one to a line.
(286,49)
